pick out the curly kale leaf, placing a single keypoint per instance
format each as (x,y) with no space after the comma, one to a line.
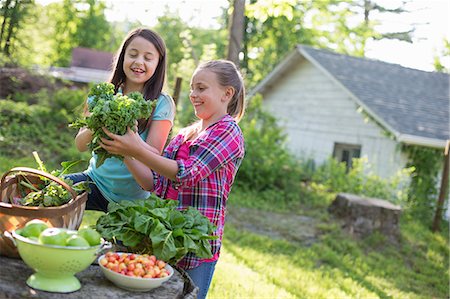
(116,112)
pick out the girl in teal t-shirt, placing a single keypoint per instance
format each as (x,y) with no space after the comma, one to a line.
(140,66)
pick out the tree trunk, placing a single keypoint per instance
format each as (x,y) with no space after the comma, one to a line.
(236,31)
(177,90)
(13,24)
(6,12)
(443,192)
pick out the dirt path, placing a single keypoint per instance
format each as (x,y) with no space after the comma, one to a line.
(291,227)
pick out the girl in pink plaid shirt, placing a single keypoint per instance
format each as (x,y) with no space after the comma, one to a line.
(199,165)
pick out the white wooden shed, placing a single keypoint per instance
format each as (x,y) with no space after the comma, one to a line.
(337,105)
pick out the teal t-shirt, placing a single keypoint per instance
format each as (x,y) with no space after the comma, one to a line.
(113,178)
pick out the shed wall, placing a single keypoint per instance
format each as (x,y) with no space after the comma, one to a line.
(317,113)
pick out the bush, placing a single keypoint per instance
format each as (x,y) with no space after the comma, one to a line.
(41,127)
(423,193)
(362,181)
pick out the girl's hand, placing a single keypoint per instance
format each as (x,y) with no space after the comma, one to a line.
(125,145)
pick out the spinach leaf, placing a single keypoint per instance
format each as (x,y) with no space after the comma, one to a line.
(156,226)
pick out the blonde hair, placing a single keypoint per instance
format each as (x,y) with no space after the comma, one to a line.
(227,75)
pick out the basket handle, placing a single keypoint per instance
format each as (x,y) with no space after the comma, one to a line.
(40,173)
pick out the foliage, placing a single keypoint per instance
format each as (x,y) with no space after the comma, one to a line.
(265,38)
(38,122)
(185,41)
(116,112)
(439,58)
(48,33)
(186,47)
(307,196)
(34,39)
(426,164)
(170,27)
(362,181)
(93,30)
(77,23)
(155,226)
(13,14)
(274,28)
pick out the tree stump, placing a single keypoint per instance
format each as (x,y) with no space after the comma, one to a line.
(363,216)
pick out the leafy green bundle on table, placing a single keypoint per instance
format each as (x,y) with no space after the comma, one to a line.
(155,226)
(48,193)
(115,112)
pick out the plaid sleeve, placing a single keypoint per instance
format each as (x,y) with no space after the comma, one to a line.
(218,147)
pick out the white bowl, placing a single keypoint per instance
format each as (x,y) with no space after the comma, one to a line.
(135,284)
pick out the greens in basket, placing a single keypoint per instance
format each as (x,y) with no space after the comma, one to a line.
(155,226)
(48,193)
(116,112)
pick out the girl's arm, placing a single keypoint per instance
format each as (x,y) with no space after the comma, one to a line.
(141,173)
(158,133)
(84,135)
(157,136)
(83,138)
(131,145)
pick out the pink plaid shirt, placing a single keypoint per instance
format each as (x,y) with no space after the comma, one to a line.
(205,178)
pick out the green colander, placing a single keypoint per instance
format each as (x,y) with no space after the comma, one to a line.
(55,266)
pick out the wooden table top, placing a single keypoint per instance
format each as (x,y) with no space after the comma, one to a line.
(14,273)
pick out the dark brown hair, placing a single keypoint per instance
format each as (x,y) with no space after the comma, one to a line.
(153,86)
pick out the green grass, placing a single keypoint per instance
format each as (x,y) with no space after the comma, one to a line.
(336,266)
(90,218)
(254,266)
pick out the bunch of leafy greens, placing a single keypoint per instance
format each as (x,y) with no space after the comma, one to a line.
(155,226)
(116,112)
(48,193)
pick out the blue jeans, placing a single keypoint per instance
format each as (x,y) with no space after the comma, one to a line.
(202,276)
(96,201)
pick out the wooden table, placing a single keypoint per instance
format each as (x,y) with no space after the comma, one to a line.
(14,273)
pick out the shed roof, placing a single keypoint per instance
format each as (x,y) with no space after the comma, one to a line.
(411,104)
(92,59)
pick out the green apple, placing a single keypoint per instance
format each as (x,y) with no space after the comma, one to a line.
(33,228)
(77,241)
(53,236)
(71,233)
(90,235)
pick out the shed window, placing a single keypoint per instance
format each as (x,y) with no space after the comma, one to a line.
(346,152)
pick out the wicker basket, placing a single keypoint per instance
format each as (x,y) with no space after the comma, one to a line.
(14,216)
